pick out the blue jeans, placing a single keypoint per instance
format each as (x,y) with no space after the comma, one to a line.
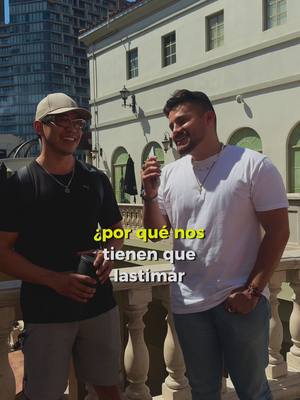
(213,337)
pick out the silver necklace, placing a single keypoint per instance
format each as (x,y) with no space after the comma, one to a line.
(201,184)
(67,186)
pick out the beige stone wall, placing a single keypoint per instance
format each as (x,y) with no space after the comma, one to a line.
(261,65)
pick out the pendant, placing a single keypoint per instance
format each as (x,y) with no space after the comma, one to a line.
(67,190)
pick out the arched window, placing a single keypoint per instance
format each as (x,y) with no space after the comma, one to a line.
(248,138)
(119,162)
(294,160)
(153,148)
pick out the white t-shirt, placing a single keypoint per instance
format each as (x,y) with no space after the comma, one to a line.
(240,182)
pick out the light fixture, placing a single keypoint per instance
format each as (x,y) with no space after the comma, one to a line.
(95,152)
(124,96)
(167,142)
(239,99)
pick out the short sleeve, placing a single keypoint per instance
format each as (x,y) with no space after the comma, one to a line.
(267,191)
(11,205)
(110,213)
(161,197)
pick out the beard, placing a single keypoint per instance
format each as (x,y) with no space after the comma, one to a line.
(186,148)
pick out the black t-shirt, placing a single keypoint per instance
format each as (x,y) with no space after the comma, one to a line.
(53,226)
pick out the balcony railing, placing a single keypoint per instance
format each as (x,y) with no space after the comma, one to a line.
(132,215)
(134,299)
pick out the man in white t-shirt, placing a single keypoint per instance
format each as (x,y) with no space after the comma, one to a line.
(221,309)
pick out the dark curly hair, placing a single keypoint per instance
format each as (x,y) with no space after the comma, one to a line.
(186,96)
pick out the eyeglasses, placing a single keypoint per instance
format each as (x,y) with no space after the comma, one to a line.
(65,122)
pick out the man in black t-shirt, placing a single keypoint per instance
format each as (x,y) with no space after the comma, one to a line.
(44,228)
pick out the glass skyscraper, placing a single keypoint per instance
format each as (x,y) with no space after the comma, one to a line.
(40,54)
(1,12)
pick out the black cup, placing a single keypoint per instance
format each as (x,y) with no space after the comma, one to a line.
(86,267)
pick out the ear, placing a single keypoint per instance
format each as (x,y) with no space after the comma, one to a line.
(38,127)
(210,117)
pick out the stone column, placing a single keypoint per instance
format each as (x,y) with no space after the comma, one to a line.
(277,366)
(176,386)
(293,357)
(136,357)
(7,379)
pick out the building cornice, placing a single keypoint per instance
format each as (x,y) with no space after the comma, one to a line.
(93,51)
(123,20)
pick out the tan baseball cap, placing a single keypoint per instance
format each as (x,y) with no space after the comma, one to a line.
(58,103)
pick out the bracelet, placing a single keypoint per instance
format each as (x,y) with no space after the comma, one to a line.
(148,199)
(254,291)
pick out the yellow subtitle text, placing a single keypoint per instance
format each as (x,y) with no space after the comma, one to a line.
(144,234)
